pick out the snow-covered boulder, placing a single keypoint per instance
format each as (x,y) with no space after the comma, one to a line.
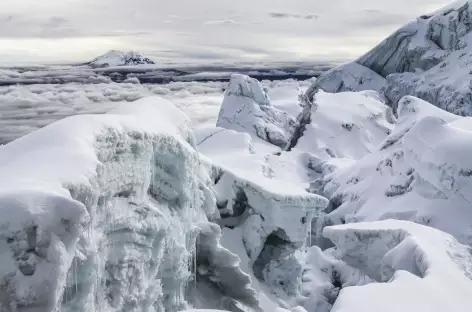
(428,58)
(420,173)
(414,268)
(246,108)
(119,58)
(110,213)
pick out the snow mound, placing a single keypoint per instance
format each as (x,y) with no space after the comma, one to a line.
(110,213)
(247,108)
(428,58)
(420,173)
(119,58)
(417,268)
(345,125)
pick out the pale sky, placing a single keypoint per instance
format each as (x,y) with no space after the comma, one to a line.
(200,30)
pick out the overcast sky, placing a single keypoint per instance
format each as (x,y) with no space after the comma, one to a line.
(203,30)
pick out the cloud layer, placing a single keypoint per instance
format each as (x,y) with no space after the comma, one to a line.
(27,108)
(208,30)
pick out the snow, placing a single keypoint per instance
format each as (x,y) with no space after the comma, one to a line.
(346,125)
(417,268)
(118,58)
(247,108)
(419,174)
(103,212)
(428,58)
(26,108)
(295,202)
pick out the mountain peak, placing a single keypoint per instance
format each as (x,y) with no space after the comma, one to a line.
(120,58)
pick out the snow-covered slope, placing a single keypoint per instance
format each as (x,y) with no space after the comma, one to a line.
(110,213)
(429,58)
(118,58)
(344,125)
(246,108)
(419,173)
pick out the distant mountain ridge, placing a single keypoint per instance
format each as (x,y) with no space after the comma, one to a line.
(120,58)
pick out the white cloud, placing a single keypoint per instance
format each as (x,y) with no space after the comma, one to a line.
(29,107)
(276,29)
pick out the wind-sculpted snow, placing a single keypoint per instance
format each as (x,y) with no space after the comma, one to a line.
(420,173)
(110,213)
(416,268)
(429,58)
(247,108)
(345,125)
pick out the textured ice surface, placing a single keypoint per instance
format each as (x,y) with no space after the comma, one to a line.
(429,58)
(416,268)
(110,213)
(265,209)
(247,108)
(419,173)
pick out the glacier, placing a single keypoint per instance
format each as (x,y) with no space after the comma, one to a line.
(111,213)
(428,58)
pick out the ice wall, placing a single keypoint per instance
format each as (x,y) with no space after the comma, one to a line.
(104,212)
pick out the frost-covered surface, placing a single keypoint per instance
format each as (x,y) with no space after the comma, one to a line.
(419,173)
(247,108)
(106,212)
(120,58)
(428,58)
(416,268)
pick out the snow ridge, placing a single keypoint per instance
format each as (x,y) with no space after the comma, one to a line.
(428,58)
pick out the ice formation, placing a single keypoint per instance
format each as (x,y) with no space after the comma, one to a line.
(118,58)
(247,108)
(110,213)
(413,267)
(419,173)
(429,58)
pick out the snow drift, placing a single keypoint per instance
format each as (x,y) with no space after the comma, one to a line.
(110,213)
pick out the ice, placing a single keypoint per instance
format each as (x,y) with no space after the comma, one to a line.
(428,58)
(106,213)
(419,173)
(266,216)
(416,268)
(247,108)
